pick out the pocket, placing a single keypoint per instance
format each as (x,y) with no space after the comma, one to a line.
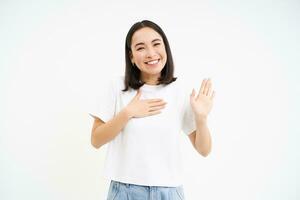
(114,188)
(180,193)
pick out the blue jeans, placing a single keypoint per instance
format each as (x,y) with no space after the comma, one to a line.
(126,191)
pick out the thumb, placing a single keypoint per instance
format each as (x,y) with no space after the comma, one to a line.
(193,93)
(138,94)
(192,96)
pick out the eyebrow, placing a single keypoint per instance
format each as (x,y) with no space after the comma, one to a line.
(141,43)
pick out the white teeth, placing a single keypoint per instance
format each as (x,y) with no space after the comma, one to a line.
(152,62)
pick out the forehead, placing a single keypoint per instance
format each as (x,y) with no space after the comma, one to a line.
(145,35)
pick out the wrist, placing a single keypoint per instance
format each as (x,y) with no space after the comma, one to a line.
(201,119)
(127,113)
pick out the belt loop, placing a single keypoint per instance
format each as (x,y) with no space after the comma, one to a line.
(117,184)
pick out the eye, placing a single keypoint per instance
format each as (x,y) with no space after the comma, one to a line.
(156,44)
(140,48)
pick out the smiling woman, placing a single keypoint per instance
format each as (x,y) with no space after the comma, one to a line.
(141,116)
(148,56)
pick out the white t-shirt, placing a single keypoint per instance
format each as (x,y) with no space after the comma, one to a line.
(147,150)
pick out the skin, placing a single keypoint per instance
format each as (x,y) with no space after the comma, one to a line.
(147,45)
(201,105)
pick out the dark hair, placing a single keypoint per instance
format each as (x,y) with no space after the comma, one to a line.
(132,73)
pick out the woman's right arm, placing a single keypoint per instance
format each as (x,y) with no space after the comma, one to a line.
(104,132)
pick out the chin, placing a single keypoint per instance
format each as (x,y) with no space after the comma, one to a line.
(154,72)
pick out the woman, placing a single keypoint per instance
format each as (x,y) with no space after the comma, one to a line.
(141,116)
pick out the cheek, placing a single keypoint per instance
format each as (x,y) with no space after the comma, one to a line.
(163,51)
(138,56)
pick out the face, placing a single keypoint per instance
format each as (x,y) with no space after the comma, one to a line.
(148,53)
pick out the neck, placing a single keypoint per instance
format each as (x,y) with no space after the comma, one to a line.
(150,80)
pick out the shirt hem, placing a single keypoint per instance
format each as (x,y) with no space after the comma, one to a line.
(144,183)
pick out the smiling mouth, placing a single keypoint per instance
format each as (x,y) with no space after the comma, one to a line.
(152,62)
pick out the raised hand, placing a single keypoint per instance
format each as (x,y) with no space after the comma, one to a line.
(143,108)
(202,103)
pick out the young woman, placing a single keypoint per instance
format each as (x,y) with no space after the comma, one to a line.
(141,116)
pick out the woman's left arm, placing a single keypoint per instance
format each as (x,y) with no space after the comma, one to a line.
(201,106)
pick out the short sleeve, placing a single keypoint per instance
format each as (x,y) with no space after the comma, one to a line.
(188,121)
(104,105)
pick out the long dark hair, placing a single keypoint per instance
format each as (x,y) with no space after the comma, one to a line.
(132,73)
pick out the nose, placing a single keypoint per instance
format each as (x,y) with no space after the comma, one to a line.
(150,52)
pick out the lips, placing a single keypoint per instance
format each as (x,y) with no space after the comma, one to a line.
(152,62)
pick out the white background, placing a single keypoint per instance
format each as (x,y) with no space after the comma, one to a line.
(55,56)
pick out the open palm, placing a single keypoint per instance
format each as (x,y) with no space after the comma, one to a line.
(203,102)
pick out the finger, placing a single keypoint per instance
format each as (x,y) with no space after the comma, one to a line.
(202,86)
(154,108)
(154,113)
(138,94)
(159,103)
(193,93)
(213,95)
(207,85)
(154,100)
(209,91)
